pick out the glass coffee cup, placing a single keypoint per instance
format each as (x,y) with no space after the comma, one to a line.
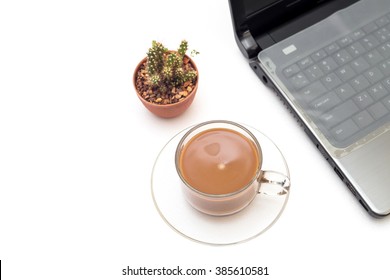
(219,164)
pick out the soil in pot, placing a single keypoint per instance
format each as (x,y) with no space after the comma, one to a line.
(172,95)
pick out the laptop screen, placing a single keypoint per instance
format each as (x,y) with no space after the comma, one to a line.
(267,14)
(270,21)
(254,5)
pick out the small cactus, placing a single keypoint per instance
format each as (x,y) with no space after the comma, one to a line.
(156,58)
(167,69)
(183,48)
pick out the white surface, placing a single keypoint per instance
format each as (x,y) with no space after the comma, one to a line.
(77,150)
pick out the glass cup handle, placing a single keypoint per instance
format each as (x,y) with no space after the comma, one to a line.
(273,183)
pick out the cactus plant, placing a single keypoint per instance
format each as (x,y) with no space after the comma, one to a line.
(167,68)
(166,77)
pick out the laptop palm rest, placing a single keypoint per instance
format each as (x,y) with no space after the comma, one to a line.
(368,170)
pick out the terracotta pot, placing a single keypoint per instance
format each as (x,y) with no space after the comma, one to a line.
(168,110)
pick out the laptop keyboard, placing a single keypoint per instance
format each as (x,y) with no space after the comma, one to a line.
(345,86)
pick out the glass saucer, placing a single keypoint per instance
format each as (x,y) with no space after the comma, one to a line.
(255,219)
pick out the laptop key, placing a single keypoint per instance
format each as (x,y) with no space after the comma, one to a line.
(386,101)
(325,102)
(299,81)
(356,49)
(378,110)
(312,91)
(307,61)
(318,55)
(363,119)
(382,21)
(363,100)
(370,42)
(345,91)
(382,34)
(314,72)
(339,114)
(378,91)
(357,34)
(332,48)
(359,65)
(291,70)
(344,130)
(359,83)
(344,41)
(386,83)
(345,73)
(371,27)
(342,57)
(384,50)
(373,57)
(373,75)
(385,67)
(328,64)
(331,81)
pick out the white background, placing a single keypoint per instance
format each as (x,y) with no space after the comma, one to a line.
(77,149)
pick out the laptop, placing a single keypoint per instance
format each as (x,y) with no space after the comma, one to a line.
(329,61)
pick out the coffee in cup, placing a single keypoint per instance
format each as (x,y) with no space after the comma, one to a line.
(219,163)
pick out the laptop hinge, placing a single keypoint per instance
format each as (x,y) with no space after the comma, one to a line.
(264,41)
(251,46)
(248,45)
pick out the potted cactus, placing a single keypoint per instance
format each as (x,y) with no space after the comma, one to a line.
(166,81)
